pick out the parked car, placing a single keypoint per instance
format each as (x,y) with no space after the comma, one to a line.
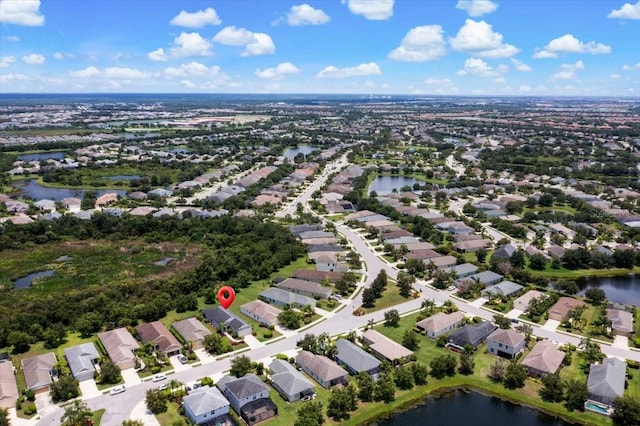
(163,386)
(182,359)
(159,377)
(116,390)
(451,288)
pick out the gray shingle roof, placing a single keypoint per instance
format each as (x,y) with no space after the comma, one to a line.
(355,357)
(287,378)
(471,334)
(80,358)
(242,387)
(205,399)
(606,380)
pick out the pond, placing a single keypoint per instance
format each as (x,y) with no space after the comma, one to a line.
(625,289)
(383,185)
(33,189)
(291,152)
(25,282)
(122,177)
(460,408)
(54,155)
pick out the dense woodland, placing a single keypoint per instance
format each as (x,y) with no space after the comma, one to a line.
(236,251)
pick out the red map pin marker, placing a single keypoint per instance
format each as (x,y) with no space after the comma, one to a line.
(226,296)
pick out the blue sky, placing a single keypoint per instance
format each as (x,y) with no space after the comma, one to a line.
(431,47)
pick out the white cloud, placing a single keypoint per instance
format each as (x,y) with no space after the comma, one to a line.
(423,43)
(569,44)
(13,39)
(197,19)
(86,73)
(13,76)
(278,72)
(33,59)
(567,71)
(359,71)
(5,61)
(477,7)
(524,89)
(375,10)
(191,69)
(627,11)
(432,81)
(631,67)
(254,43)
(475,66)
(479,39)
(190,45)
(63,55)
(157,55)
(520,66)
(22,12)
(615,76)
(500,80)
(306,15)
(187,84)
(124,73)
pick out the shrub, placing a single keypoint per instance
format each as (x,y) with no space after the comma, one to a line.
(282,357)
(267,334)
(30,395)
(633,364)
(30,409)
(19,404)
(155,369)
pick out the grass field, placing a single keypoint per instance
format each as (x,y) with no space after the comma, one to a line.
(390,297)
(565,273)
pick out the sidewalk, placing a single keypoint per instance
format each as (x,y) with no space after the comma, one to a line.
(140,412)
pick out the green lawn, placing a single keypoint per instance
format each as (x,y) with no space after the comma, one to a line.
(171,416)
(390,297)
(565,273)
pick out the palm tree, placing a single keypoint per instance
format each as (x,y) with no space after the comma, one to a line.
(76,414)
(173,384)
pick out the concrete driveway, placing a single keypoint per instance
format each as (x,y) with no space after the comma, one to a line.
(130,377)
(621,342)
(89,389)
(177,365)
(204,356)
(140,412)
(479,302)
(551,325)
(514,313)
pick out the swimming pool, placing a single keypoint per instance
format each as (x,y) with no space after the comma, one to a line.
(596,407)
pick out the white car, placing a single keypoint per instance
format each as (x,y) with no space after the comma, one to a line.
(182,359)
(159,377)
(451,288)
(163,386)
(117,390)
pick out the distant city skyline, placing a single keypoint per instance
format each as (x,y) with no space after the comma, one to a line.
(412,47)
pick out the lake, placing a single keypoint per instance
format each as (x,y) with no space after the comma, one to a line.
(625,289)
(55,155)
(290,152)
(25,282)
(33,189)
(122,177)
(459,408)
(383,185)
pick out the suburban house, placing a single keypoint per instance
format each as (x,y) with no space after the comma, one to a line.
(285,299)
(305,288)
(289,382)
(225,321)
(440,323)
(621,321)
(316,276)
(487,278)
(160,337)
(82,360)
(606,380)
(192,330)
(470,334)
(261,312)
(562,307)
(522,302)
(323,370)
(356,359)
(120,345)
(471,246)
(543,359)
(8,387)
(385,348)
(463,270)
(38,371)
(505,288)
(328,262)
(505,343)
(441,262)
(206,405)
(249,397)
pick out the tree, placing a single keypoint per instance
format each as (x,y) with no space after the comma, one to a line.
(309,343)
(215,344)
(517,258)
(420,373)
(133,423)
(368,297)
(466,361)
(156,401)
(595,295)
(4,417)
(576,394)
(366,385)
(54,336)
(405,282)
(627,410)
(76,414)
(391,318)
(109,373)
(20,341)
(591,350)
(502,321)
(290,319)
(527,330)
(537,262)
(89,323)
(481,255)
(65,388)
(410,340)
(240,366)
(553,390)
(379,284)
(385,388)
(341,403)
(403,377)
(310,414)
(497,370)
(515,375)
(443,365)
